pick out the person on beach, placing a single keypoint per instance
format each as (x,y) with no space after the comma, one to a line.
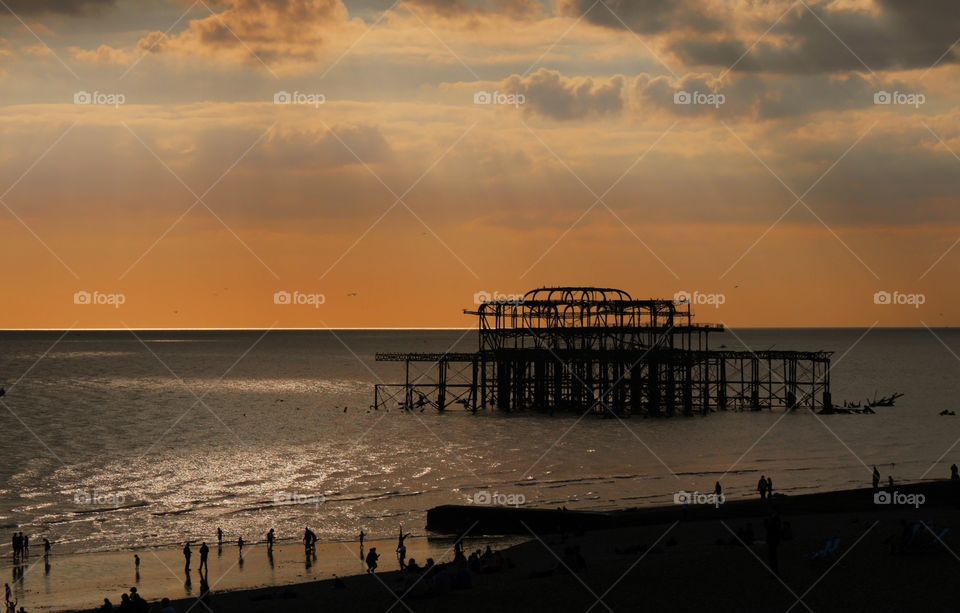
(762,487)
(136,565)
(107,606)
(204,554)
(402,549)
(718,490)
(773,527)
(954,474)
(372,558)
(240,546)
(6,593)
(271,537)
(876,479)
(46,548)
(770,487)
(364,534)
(187,554)
(220,536)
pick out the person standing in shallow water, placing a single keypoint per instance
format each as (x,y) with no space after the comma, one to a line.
(204,554)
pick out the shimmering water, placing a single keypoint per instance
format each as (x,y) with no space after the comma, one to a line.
(112,443)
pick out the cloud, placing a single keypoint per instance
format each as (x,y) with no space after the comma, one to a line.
(757,97)
(276,32)
(553,95)
(104,54)
(64,7)
(510,8)
(827,37)
(643,16)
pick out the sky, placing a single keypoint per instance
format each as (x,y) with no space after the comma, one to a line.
(371,163)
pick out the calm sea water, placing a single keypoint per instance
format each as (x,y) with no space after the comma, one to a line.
(107,447)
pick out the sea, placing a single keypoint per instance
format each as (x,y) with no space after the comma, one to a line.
(118,440)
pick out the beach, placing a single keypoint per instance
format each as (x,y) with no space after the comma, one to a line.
(691,561)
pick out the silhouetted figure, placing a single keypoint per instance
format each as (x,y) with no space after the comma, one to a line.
(136,565)
(774,528)
(46,547)
(166,607)
(364,534)
(372,557)
(954,474)
(890,481)
(876,479)
(240,546)
(204,554)
(271,537)
(107,606)
(762,487)
(220,536)
(137,602)
(770,487)
(187,554)
(402,549)
(718,490)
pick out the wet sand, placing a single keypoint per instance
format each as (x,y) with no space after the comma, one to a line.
(683,564)
(79,581)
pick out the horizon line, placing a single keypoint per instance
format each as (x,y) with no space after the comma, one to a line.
(420,328)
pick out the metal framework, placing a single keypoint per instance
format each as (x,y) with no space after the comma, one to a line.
(598,349)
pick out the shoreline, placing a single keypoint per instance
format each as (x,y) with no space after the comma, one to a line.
(677,540)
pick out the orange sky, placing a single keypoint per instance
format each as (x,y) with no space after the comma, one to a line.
(439,149)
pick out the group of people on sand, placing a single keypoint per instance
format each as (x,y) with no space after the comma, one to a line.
(9,604)
(133,602)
